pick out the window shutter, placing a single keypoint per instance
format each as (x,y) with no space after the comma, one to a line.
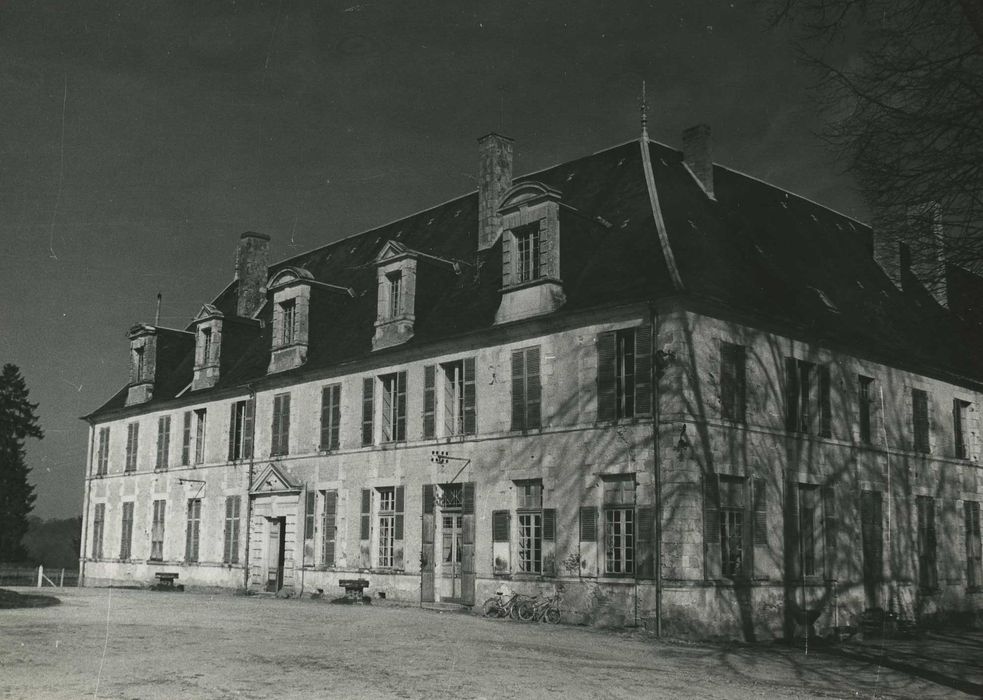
(501,542)
(247,428)
(232,431)
(919,406)
(518,390)
(470,385)
(500,526)
(825,422)
(186,439)
(398,527)
(329,528)
(336,416)
(549,542)
(546,245)
(588,524)
(285,425)
(645,543)
(759,528)
(549,524)
(713,568)
(643,370)
(227,555)
(793,567)
(428,499)
(449,403)
(606,381)
(507,245)
(534,390)
(429,401)
(326,418)
(791,394)
(728,402)
(367,408)
(366,511)
(400,433)
(952,566)
(831,527)
(309,508)
(275,429)
(467,493)
(427,550)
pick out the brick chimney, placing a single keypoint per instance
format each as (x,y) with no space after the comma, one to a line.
(494,178)
(252,263)
(698,156)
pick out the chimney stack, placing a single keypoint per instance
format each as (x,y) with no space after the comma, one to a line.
(698,156)
(494,179)
(252,265)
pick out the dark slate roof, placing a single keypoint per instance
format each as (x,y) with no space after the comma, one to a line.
(755,250)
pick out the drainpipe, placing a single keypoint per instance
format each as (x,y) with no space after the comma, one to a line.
(658,480)
(249,501)
(86,499)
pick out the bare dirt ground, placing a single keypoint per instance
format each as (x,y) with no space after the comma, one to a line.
(140,644)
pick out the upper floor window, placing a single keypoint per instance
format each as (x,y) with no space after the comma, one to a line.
(733,362)
(919,421)
(288,328)
(526,390)
(186,439)
(330,417)
(623,373)
(393,407)
(102,457)
(527,243)
(163,441)
(206,345)
(280,442)
(139,362)
(241,430)
(200,435)
(865,401)
(928,570)
(807,397)
(960,427)
(395,281)
(457,399)
(132,445)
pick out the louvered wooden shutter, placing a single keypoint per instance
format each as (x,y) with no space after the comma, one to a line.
(518,390)
(501,542)
(588,524)
(831,528)
(275,428)
(365,529)
(950,554)
(400,406)
(329,528)
(645,543)
(227,556)
(326,418)
(285,425)
(549,542)
(759,529)
(872,535)
(643,370)
(398,548)
(607,394)
(507,246)
(825,408)
(367,408)
(427,546)
(713,568)
(232,431)
(449,403)
(467,543)
(186,439)
(534,390)
(546,246)
(470,386)
(429,401)
(791,394)
(793,550)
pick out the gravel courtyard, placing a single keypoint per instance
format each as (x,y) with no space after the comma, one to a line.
(139,644)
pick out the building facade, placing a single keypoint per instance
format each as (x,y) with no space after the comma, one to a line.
(693,400)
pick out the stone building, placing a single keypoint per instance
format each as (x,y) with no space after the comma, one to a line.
(694,399)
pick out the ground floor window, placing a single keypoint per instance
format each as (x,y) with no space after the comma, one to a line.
(231,543)
(98,524)
(193,530)
(389,518)
(619,540)
(126,531)
(973,544)
(157,531)
(531,542)
(928,574)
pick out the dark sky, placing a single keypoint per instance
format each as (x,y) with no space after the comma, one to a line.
(138,140)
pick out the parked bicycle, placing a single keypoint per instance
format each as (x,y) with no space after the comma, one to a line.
(505,603)
(542,608)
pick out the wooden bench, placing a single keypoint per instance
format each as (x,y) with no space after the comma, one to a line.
(354,588)
(165,581)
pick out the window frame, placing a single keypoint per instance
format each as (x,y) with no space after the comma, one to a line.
(528,253)
(394,284)
(961,433)
(201,416)
(529,524)
(232,530)
(288,322)
(280,430)
(102,453)
(733,382)
(98,530)
(921,422)
(330,417)
(527,412)
(865,404)
(163,442)
(386,522)
(158,529)
(126,531)
(393,423)
(927,545)
(192,543)
(974,545)
(132,447)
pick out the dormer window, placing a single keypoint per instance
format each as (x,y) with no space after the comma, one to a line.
(152,347)
(139,363)
(210,325)
(288,314)
(527,253)
(206,345)
(291,288)
(395,280)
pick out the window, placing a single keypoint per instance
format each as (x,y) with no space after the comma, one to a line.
(501,541)
(139,364)
(530,518)
(394,407)
(733,363)
(619,526)
(193,530)
(872,539)
(735,527)
(310,507)
(974,553)
(206,345)
(330,417)
(928,574)
(732,512)
(186,440)
(812,535)
(280,442)
(395,281)
(288,328)
(387,530)
(126,531)
(163,441)
(527,248)
(102,458)
(132,444)
(807,398)
(98,524)
(157,531)
(241,430)
(960,425)
(231,541)
(368,410)
(459,397)
(526,390)
(623,373)
(809,529)
(865,402)
(329,516)
(200,436)
(919,415)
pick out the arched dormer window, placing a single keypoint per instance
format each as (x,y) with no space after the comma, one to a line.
(531,283)
(291,289)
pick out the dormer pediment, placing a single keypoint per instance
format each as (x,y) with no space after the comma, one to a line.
(289,276)
(392,251)
(526,194)
(207,313)
(272,480)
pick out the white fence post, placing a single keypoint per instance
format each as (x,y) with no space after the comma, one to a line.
(40,574)
(61,580)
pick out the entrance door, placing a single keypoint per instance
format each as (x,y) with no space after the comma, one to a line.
(872,537)
(451,557)
(274,554)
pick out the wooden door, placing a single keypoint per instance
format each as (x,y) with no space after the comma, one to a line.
(275,554)
(427,548)
(467,545)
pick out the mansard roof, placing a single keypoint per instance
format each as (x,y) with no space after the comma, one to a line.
(762,254)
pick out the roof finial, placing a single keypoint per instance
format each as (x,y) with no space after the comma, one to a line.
(645,115)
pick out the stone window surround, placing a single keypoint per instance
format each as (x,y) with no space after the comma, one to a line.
(290,284)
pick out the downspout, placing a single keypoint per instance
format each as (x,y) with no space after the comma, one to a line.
(86,499)
(658,478)
(249,500)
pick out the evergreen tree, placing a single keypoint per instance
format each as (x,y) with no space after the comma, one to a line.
(18,421)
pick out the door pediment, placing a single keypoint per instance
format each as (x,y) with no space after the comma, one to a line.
(272,480)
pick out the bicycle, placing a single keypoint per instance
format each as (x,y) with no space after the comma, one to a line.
(540,609)
(505,603)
